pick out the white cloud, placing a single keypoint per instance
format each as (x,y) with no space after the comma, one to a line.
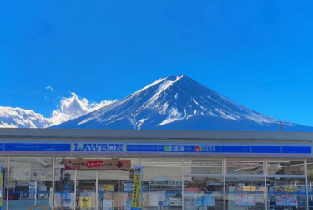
(7,125)
(49,88)
(73,107)
(69,108)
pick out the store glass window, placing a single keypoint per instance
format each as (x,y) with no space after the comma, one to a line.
(85,189)
(244,167)
(30,182)
(115,187)
(286,193)
(126,184)
(285,167)
(310,183)
(202,166)
(162,183)
(244,193)
(63,185)
(205,193)
(5,185)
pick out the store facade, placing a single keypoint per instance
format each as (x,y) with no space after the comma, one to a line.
(106,170)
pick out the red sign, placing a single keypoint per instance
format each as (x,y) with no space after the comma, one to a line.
(107,164)
(94,164)
(192,189)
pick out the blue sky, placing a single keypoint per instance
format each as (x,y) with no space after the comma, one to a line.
(257,53)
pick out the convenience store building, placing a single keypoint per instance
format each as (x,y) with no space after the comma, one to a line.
(192,170)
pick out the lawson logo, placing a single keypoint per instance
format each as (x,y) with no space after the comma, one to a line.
(98,147)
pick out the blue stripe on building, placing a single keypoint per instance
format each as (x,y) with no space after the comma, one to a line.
(265,149)
(26,147)
(180,147)
(54,147)
(296,149)
(235,149)
(142,148)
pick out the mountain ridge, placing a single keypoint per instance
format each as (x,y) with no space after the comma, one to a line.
(176,103)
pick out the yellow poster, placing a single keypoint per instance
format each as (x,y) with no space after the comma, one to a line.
(137,194)
(290,188)
(107,187)
(285,188)
(246,188)
(85,203)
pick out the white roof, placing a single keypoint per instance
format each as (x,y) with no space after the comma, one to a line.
(8,133)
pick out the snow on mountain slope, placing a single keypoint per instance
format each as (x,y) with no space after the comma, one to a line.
(70,108)
(178,102)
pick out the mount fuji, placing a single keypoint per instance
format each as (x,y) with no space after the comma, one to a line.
(178,103)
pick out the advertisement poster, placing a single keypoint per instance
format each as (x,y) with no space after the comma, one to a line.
(208,200)
(286,200)
(244,200)
(1,187)
(108,204)
(285,189)
(33,190)
(63,199)
(128,200)
(84,202)
(155,198)
(136,202)
(108,188)
(87,164)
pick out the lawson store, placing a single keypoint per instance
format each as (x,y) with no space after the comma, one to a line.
(155,170)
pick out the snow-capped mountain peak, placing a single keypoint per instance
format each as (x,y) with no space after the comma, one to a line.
(176,102)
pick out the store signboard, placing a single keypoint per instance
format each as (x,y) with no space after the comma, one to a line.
(152,148)
(99,147)
(88,164)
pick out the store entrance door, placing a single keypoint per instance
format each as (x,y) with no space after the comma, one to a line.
(108,189)
(101,184)
(85,190)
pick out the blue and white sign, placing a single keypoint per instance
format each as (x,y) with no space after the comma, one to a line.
(101,147)
(155,148)
(205,148)
(176,148)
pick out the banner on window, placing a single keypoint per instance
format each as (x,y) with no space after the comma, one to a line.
(244,200)
(89,164)
(108,188)
(285,188)
(136,203)
(286,200)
